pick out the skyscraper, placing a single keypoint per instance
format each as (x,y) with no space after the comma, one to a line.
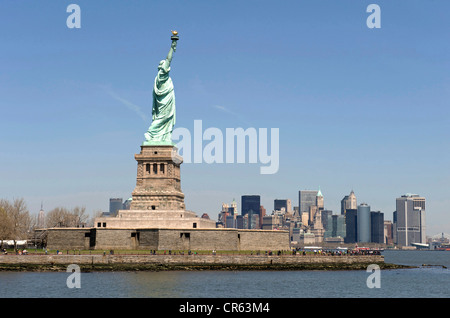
(319,200)
(326,217)
(376,227)
(363,222)
(335,226)
(410,219)
(306,198)
(233,208)
(41,218)
(115,204)
(349,202)
(278,204)
(262,214)
(351,229)
(388,232)
(250,204)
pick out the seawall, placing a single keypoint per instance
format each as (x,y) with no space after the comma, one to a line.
(190,262)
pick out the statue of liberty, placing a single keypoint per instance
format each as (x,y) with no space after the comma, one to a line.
(163,109)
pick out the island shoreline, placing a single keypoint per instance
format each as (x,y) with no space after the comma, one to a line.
(106,262)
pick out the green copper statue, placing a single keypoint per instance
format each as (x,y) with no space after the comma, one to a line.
(163,109)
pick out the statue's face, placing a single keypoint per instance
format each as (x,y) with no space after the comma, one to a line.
(161,64)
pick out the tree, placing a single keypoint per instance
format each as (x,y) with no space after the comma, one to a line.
(58,217)
(79,217)
(63,217)
(5,222)
(16,220)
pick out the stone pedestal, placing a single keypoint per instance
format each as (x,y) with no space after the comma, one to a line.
(158,182)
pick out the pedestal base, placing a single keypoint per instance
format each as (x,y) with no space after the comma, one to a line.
(129,219)
(158,182)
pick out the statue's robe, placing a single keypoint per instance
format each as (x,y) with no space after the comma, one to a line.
(163,109)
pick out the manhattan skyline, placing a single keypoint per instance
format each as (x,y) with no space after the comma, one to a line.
(357,108)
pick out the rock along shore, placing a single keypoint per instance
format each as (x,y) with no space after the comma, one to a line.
(89,263)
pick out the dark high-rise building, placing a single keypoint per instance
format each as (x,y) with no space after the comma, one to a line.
(115,204)
(279,204)
(326,216)
(250,204)
(394,227)
(351,229)
(376,227)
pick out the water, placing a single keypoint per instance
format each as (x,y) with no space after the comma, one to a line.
(425,281)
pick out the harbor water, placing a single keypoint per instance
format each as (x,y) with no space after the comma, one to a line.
(429,278)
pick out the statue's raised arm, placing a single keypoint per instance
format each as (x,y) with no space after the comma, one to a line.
(173,48)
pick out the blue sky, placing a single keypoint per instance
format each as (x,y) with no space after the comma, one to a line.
(357,108)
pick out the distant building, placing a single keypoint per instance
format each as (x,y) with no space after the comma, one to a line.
(312,214)
(376,227)
(227,216)
(251,206)
(394,227)
(205,216)
(242,221)
(262,214)
(250,203)
(305,218)
(296,235)
(319,200)
(279,204)
(41,218)
(388,233)
(272,222)
(335,226)
(253,220)
(115,204)
(306,199)
(363,223)
(317,227)
(230,222)
(222,217)
(326,214)
(348,202)
(127,204)
(232,209)
(410,219)
(351,229)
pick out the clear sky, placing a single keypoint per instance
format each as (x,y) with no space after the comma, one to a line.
(357,108)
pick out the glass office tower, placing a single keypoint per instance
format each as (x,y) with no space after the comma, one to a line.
(410,219)
(363,222)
